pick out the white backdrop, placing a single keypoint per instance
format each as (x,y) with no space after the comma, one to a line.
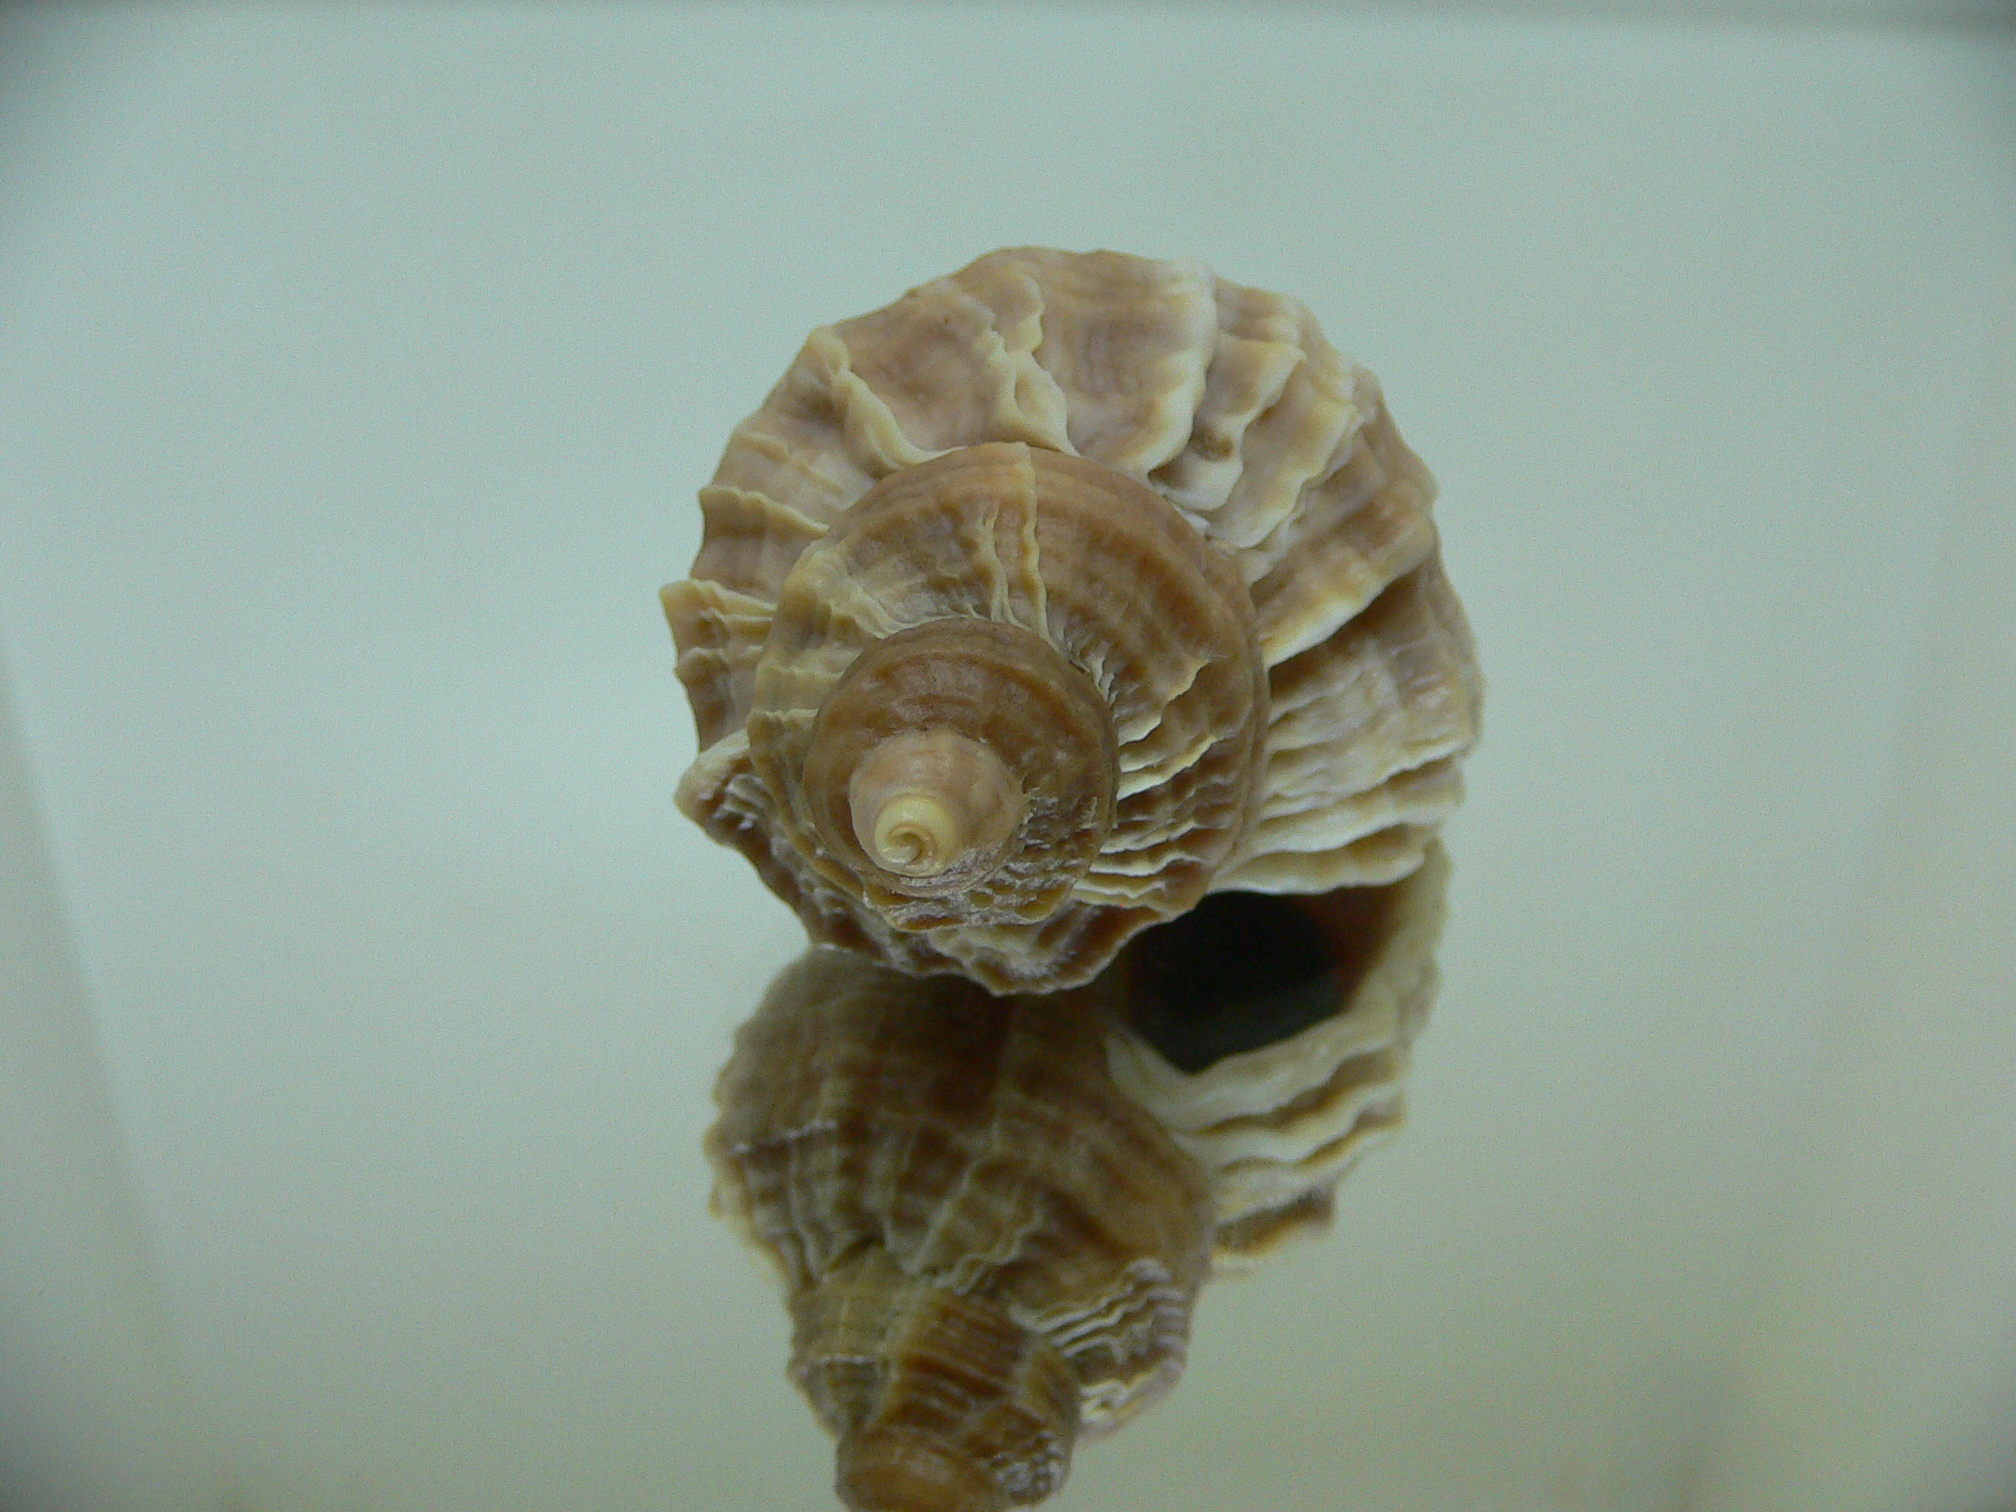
(363,990)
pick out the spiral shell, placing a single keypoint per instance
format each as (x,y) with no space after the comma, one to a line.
(987,1250)
(1057,594)
(992,1215)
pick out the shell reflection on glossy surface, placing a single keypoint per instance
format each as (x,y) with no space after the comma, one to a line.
(1056,595)
(992,1215)
(988,1251)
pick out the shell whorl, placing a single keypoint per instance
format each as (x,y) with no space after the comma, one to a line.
(1166,480)
(1032,672)
(988,1251)
(981,729)
(1271,1036)
(933,807)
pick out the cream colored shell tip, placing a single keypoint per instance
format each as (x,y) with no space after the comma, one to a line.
(1052,597)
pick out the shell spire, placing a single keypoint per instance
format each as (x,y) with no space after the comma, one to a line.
(1056,595)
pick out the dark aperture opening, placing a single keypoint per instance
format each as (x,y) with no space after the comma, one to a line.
(1244,970)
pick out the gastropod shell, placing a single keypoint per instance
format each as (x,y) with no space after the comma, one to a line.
(1055,596)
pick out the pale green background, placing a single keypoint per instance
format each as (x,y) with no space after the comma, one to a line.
(363,989)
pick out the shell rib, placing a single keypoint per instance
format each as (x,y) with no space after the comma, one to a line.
(1271,1038)
(988,1251)
(1152,483)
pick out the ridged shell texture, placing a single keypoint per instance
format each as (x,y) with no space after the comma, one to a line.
(1055,595)
(987,1249)
(992,1215)
(1271,1037)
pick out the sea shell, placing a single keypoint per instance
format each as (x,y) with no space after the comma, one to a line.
(988,1251)
(1055,595)
(991,1216)
(1271,1037)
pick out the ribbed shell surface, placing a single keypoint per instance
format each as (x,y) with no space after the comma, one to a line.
(1276,1127)
(952,1190)
(1222,402)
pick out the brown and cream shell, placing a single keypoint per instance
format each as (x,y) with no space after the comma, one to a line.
(1056,595)
(988,1251)
(991,1216)
(1271,1037)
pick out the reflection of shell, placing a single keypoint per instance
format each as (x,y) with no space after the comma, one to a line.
(1270,1036)
(1051,597)
(987,1250)
(992,1215)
